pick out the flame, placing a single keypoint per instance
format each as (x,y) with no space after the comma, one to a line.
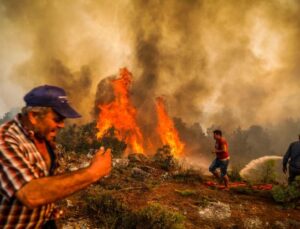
(121,114)
(166,129)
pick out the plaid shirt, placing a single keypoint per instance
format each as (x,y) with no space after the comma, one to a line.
(20,162)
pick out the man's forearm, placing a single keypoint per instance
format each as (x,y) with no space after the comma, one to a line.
(284,164)
(285,160)
(50,189)
(286,157)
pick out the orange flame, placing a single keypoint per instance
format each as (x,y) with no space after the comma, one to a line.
(121,115)
(166,129)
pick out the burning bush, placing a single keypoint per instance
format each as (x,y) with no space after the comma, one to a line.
(165,159)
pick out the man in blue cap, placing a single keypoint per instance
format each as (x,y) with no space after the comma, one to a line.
(28,184)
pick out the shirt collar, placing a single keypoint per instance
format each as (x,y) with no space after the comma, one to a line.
(26,131)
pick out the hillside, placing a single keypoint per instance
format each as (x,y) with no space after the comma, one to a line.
(140,194)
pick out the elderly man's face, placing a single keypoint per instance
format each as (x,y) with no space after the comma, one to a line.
(47,126)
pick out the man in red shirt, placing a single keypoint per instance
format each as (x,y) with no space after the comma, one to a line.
(222,157)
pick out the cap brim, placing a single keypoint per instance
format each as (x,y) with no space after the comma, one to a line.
(66,111)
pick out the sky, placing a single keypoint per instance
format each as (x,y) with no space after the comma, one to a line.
(229,63)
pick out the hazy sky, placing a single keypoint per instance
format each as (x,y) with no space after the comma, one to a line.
(229,63)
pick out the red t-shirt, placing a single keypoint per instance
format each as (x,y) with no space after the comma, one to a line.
(222,144)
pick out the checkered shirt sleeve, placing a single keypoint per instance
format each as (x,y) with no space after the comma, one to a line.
(15,168)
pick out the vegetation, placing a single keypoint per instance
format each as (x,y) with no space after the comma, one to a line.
(268,174)
(79,138)
(186,192)
(165,159)
(109,212)
(188,175)
(287,194)
(247,190)
(82,139)
(234,174)
(245,144)
(158,217)
(110,141)
(263,173)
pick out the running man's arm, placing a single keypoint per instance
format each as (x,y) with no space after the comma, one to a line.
(224,148)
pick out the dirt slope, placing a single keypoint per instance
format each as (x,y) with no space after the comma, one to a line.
(138,184)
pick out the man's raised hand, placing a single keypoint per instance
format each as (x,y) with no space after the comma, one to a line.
(101,163)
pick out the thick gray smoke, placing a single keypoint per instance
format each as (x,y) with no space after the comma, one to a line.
(227,63)
(220,62)
(69,44)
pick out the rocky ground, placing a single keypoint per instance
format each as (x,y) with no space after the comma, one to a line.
(179,194)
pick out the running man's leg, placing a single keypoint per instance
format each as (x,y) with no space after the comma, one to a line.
(224,176)
(213,167)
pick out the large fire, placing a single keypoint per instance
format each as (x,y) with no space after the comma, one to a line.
(166,129)
(120,114)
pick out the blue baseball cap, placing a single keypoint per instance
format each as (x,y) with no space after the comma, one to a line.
(51,96)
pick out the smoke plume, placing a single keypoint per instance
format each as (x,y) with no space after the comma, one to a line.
(223,63)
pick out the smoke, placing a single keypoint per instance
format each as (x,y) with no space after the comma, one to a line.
(105,93)
(267,167)
(70,44)
(219,62)
(225,63)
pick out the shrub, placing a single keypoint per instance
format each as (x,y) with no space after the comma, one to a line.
(165,159)
(268,172)
(154,216)
(234,174)
(109,212)
(287,194)
(188,175)
(79,138)
(186,192)
(83,138)
(109,140)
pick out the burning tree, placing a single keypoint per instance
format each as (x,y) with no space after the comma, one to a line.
(166,129)
(121,114)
